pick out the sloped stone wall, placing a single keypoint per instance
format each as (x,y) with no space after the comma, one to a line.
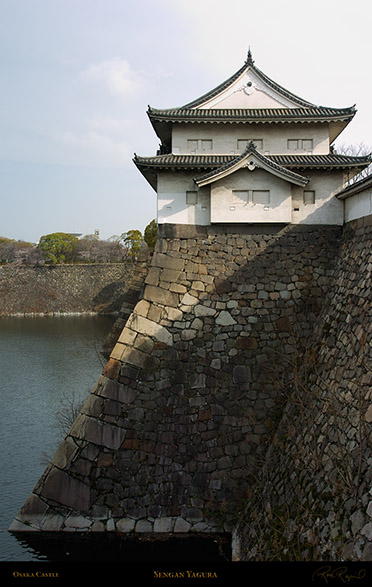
(314,495)
(174,434)
(129,297)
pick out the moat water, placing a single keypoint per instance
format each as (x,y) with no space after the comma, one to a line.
(47,365)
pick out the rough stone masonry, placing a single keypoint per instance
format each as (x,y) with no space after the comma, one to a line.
(313,498)
(175,431)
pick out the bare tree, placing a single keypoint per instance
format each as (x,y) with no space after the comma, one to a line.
(359,150)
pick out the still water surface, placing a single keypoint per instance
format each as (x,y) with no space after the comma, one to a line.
(45,362)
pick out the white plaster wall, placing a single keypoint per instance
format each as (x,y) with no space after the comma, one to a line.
(274,137)
(327,209)
(358,205)
(172,206)
(286,200)
(224,209)
(249,91)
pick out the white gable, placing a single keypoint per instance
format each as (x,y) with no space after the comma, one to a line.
(249,91)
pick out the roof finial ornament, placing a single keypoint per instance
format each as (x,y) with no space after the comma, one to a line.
(249,60)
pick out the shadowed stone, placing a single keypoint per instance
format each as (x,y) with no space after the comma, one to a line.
(78,522)
(201,310)
(163,524)
(67,490)
(246,343)
(143,526)
(225,319)
(64,453)
(182,525)
(125,525)
(140,359)
(241,374)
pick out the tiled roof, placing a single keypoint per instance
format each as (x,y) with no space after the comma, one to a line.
(356,187)
(249,64)
(314,113)
(268,163)
(332,160)
(189,161)
(299,111)
(211,161)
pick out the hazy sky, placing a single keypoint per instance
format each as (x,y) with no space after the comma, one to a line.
(76,77)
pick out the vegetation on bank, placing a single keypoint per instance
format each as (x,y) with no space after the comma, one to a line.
(61,247)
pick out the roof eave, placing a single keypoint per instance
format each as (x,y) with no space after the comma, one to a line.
(148,173)
(336,127)
(159,118)
(258,161)
(356,188)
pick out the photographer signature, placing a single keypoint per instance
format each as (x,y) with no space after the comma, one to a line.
(327,573)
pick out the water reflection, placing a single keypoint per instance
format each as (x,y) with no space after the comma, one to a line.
(44,362)
(54,547)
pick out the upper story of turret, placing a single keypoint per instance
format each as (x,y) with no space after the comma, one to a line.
(249,106)
(249,151)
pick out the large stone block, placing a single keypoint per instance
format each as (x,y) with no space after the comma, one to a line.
(225,319)
(170,275)
(66,490)
(153,276)
(160,296)
(65,453)
(201,310)
(139,359)
(150,328)
(167,262)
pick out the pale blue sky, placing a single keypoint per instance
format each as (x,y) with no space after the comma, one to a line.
(76,77)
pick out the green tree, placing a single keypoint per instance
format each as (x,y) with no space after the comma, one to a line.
(58,247)
(133,240)
(151,234)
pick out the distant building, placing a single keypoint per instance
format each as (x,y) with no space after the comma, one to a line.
(249,151)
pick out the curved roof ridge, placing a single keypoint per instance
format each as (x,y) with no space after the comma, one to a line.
(250,64)
(251,150)
(217,90)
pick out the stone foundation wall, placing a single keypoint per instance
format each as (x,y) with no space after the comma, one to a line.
(63,288)
(176,430)
(313,500)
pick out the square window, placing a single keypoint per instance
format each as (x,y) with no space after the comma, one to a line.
(191,198)
(200,145)
(300,144)
(206,145)
(261,197)
(292,144)
(307,144)
(309,197)
(192,145)
(240,196)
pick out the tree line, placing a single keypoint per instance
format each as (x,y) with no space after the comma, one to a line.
(61,247)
